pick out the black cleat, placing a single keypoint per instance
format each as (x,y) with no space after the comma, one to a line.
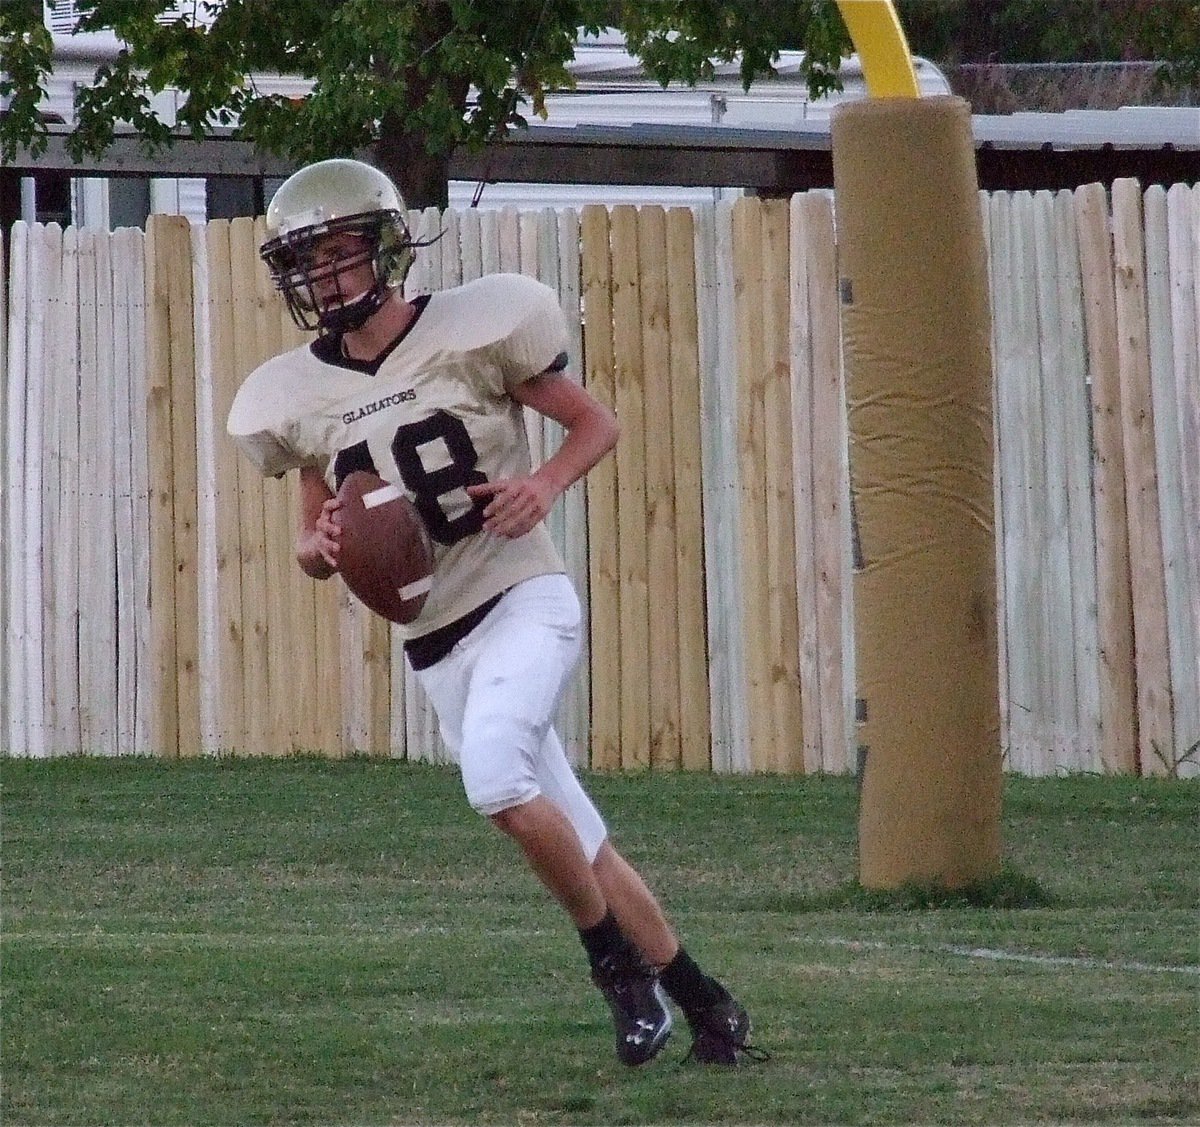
(631,988)
(720,1032)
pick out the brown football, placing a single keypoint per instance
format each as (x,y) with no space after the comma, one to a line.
(386,556)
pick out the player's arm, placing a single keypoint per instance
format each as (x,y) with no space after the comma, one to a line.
(515,505)
(319,537)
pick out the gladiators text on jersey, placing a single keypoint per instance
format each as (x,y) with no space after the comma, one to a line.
(405,396)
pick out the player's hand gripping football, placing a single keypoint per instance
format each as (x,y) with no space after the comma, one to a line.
(317,548)
(515,505)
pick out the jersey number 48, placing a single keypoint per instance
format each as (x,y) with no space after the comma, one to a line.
(429,486)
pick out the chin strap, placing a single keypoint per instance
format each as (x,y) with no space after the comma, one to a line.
(347,318)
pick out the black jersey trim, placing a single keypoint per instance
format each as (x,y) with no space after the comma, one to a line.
(429,649)
(328,348)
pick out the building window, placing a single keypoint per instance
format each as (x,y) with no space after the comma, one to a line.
(51,198)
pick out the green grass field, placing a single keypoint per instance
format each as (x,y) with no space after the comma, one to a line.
(308,942)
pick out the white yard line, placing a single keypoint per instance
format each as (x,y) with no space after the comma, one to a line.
(993,954)
(288,939)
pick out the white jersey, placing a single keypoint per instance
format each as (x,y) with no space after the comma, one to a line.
(431,416)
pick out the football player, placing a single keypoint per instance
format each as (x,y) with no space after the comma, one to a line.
(429,394)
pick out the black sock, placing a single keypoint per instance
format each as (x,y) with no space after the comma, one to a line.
(602,938)
(688,984)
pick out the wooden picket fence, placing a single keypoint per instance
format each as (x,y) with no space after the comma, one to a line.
(150,603)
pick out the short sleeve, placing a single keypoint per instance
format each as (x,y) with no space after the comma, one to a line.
(258,433)
(538,340)
(269,455)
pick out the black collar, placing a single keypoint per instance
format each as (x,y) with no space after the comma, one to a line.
(328,348)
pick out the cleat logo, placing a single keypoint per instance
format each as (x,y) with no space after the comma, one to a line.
(637,1038)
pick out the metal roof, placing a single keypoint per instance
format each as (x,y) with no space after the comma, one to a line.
(1132,127)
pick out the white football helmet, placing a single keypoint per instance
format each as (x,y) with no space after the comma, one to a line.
(326,198)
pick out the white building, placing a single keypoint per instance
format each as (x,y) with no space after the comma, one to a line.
(611,90)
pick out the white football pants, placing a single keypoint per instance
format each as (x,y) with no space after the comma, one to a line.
(495,694)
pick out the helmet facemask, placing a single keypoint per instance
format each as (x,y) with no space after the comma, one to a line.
(291,259)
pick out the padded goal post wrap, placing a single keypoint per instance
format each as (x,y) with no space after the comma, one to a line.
(916,341)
